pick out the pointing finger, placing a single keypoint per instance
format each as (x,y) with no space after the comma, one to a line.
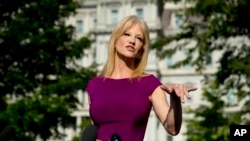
(192,89)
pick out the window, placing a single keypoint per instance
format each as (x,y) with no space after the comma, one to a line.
(114,16)
(169,138)
(230,97)
(209,59)
(178,21)
(139,13)
(169,61)
(79,26)
(95,23)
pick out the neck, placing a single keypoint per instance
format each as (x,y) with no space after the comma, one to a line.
(123,68)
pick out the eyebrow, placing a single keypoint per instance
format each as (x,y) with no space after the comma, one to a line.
(141,35)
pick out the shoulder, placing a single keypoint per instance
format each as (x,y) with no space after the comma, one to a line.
(92,82)
(150,77)
(145,74)
(150,82)
(96,79)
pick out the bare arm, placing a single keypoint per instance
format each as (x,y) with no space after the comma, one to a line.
(170,115)
(174,117)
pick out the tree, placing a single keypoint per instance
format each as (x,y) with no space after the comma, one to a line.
(36,83)
(215,26)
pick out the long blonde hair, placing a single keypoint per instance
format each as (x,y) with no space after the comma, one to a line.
(120,29)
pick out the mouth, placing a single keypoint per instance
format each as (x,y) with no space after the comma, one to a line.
(130,48)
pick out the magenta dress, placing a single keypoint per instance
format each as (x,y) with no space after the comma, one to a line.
(121,106)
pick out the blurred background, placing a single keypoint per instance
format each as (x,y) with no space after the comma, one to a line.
(49,49)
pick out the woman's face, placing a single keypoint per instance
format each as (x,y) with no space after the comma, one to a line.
(130,43)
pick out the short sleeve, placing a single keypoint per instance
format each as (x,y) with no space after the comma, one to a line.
(152,83)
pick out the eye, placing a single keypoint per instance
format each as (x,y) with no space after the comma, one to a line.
(126,34)
(140,39)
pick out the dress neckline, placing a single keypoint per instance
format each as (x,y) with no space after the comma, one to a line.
(126,78)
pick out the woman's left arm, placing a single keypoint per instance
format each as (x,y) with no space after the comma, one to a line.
(170,115)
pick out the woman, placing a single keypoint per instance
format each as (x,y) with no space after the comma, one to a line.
(122,96)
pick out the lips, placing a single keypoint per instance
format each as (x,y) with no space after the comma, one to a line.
(130,48)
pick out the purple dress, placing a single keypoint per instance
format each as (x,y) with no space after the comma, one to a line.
(121,106)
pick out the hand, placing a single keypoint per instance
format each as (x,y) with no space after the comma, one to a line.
(179,90)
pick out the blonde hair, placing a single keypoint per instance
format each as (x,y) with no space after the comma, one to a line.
(121,28)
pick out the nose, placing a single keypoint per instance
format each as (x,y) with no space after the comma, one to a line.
(132,40)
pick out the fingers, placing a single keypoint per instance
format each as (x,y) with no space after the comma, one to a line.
(183,92)
(186,93)
(179,90)
(192,89)
(167,89)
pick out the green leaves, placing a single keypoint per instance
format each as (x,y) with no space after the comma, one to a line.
(219,27)
(37,86)
(37,113)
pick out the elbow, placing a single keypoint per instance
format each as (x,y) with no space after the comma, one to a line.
(173,132)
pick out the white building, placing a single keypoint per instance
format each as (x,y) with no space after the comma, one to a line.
(97,18)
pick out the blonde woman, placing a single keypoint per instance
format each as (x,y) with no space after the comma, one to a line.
(122,95)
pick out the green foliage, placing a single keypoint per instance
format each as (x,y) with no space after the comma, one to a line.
(215,26)
(36,114)
(37,86)
(84,123)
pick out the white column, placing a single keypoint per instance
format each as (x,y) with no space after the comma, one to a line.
(78,123)
(150,134)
